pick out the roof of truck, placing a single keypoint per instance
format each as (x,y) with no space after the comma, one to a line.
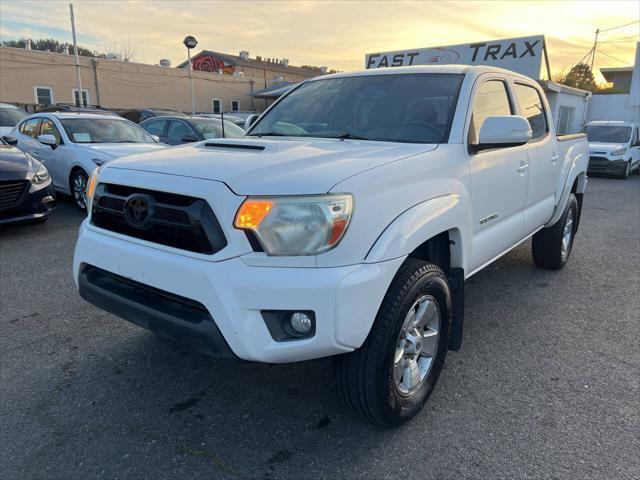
(454,69)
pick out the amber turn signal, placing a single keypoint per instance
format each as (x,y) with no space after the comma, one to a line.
(251,213)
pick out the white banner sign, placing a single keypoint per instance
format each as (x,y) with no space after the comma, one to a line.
(522,55)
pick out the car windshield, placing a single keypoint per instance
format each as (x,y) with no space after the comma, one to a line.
(10,116)
(414,108)
(213,129)
(104,130)
(607,134)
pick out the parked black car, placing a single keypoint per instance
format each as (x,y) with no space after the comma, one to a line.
(26,191)
(177,130)
(138,115)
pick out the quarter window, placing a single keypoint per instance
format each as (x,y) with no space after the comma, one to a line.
(48,128)
(30,127)
(491,99)
(531,108)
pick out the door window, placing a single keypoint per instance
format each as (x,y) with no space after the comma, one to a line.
(30,127)
(49,128)
(531,108)
(491,99)
(177,130)
(156,127)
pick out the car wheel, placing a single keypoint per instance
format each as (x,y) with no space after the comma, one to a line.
(627,171)
(390,377)
(78,187)
(551,247)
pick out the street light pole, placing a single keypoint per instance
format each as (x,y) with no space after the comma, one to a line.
(191,42)
(79,101)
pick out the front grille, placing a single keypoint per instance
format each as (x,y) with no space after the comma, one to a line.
(11,193)
(178,221)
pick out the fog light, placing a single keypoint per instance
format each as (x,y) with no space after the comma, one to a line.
(300,322)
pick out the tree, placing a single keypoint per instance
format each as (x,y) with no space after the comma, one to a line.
(49,45)
(580,76)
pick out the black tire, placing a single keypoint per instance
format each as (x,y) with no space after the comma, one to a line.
(547,244)
(366,375)
(78,200)
(626,172)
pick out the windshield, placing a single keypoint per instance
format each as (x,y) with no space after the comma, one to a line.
(10,116)
(607,134)
(213,129)
(415,108)
(104,130)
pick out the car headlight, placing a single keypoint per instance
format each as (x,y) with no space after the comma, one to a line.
(91,188)
(620,151)
(304,225)
(41,176)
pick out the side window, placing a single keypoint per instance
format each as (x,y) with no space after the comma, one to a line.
(531,107)
(634,140)
(156,127)
(48,127)
(491,99)
(178,129)
(30,127)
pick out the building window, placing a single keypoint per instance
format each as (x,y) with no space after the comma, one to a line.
(43,95)
(85,97)
(216,105)
(565,120)
(235,105)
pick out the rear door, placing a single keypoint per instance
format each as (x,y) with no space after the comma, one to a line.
(498,178)
(542,156)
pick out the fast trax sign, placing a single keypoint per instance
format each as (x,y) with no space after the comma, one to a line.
(522,55)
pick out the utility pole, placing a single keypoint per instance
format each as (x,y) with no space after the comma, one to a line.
(79,101)
(191,42)
(593,57)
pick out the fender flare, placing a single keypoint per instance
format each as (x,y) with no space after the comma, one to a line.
(417,225)
(572,175)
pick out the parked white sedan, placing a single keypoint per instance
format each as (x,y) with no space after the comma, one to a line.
(72,145)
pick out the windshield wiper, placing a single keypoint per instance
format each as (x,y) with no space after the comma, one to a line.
(270,134)
(126,141)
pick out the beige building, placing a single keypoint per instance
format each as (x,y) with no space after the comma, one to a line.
(30,77)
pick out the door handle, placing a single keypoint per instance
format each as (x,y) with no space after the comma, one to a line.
(554,159)
(523,167)
(35,152)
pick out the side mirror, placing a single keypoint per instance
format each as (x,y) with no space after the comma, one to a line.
(251,119)
(500,131)
(156,138)
(11,140)
(188,138)
(48,139)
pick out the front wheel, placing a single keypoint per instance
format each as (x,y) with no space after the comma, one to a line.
(552,246)
(627,171)
(389,378)
(78,183)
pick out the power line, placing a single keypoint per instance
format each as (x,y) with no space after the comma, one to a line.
(619,26)
(614,58)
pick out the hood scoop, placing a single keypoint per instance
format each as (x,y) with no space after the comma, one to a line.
(235,147)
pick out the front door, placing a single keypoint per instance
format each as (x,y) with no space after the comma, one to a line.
(54,159)
(498,180)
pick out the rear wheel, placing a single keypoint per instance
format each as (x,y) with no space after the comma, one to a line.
(551,247)
(390,377)
(78,187)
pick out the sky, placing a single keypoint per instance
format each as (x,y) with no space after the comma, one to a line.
(336,34)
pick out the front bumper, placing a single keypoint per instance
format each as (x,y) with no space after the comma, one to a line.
(36,204)
(604,165)
(345,300)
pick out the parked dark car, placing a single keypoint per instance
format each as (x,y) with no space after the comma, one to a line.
(26,191)
(139,115)
(178,130)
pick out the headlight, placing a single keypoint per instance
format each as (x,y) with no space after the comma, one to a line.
(91,188)
(620,151)
(306,225)
(41,176)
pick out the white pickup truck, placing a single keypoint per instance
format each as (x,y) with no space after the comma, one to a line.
(344,224)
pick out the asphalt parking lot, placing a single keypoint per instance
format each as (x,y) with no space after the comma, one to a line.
(546,384)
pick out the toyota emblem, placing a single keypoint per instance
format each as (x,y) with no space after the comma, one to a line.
(138,210)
